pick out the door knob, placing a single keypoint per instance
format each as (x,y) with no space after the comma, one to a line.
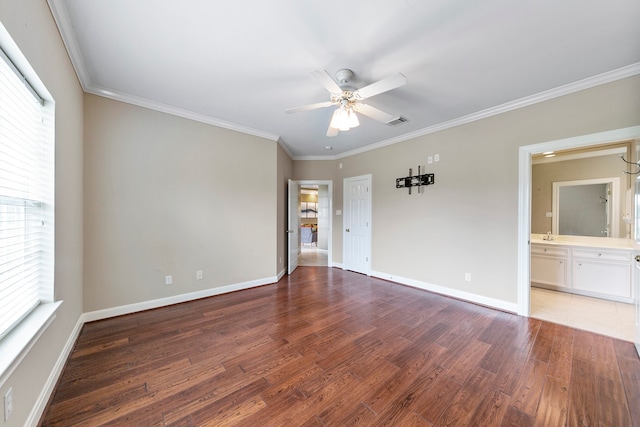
(637,258)
(347,230)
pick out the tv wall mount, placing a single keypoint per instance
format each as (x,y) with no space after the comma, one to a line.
(419,180)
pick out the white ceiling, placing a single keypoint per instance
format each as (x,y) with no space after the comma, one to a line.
(241,64)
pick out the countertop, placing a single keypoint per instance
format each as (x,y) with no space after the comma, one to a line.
(583,241)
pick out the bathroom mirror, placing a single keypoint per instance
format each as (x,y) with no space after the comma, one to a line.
(592,166)
(585,208)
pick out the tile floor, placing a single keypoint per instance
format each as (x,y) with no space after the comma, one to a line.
(614,319)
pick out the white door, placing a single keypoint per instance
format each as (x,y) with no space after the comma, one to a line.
(293,227)
(357,224)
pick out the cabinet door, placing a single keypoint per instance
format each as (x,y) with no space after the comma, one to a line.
(549,270)
(602,277)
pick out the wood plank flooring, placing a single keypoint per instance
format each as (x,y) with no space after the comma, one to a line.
(328,347)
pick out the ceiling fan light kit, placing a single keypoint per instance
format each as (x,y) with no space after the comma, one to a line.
(349,102)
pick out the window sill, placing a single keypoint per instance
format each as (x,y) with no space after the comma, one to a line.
(15,346)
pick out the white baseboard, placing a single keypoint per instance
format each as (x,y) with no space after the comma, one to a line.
(43,399)
(454,293)
(281,274)
(47,390)
(41,404)
(176,299)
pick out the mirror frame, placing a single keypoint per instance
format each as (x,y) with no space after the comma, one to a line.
(614,206)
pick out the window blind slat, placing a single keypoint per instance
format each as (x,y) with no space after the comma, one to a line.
(25,187)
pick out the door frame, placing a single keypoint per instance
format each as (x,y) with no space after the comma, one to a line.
(369,179)
(293,228)
(524,198)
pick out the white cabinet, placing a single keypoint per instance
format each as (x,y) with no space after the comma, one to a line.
(598,272)
(549,265)
(605,273)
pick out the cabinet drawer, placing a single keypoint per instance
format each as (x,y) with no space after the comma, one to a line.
(549,250)
(605,255)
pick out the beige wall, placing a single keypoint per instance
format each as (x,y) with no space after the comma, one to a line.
(467,221)
(545,174)
(285,173)
(169,196)
(31,26)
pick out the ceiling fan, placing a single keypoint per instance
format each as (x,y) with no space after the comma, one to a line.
(349,99)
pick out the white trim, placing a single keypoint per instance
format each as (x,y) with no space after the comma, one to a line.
(180,112)
(454,293)
(45,394)
(63,21)
(176,299)
(285,148)
(614,206)
(524,196)
(281,274)
(588,83)
(15,346)
(54,376)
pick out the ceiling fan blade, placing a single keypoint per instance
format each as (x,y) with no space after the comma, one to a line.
(373,112)
(325,79)
(311,107)
(380,86)
(331,132)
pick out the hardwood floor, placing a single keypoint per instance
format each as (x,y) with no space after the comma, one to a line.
(329,347)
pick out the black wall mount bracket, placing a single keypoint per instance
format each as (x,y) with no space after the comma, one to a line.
(415,181)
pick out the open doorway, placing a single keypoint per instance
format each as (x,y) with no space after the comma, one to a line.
(536,218)
(314,200)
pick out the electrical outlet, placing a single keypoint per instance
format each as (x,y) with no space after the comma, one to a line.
(430,159)
(8,404)
(436,157)
(168,280)
(199,275)
(467,277)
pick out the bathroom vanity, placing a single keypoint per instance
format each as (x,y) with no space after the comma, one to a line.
(597,267)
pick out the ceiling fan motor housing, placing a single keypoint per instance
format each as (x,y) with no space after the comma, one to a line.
(344,78)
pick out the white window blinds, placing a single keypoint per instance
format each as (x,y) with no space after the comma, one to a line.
(26,194)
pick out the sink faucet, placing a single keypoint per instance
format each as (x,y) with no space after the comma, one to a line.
(548,236)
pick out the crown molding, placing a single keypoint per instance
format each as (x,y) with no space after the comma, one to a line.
(187,114)
(588,83)
(61,17)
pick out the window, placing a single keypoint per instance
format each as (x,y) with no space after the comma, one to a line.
(26,198)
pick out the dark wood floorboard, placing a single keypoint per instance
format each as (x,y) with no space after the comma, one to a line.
(325,347)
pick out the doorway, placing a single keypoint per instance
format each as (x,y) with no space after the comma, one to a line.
(525,292)
(313,211)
